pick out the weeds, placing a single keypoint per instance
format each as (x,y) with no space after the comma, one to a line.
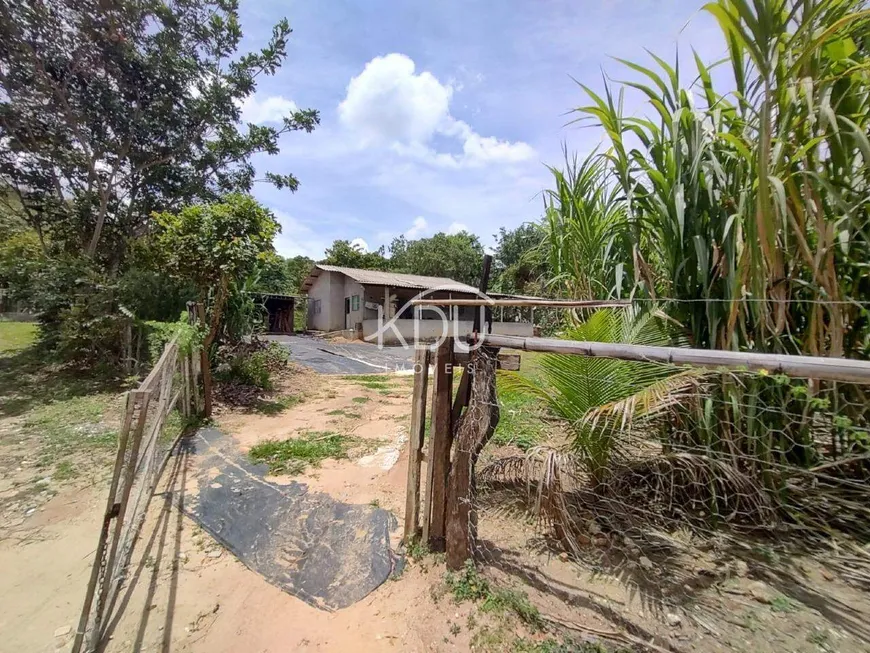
(360,400)
(340,412)
(520,421)
(294,455)
(417,549)
(276,406)
(820,638)
(783,604)
(469,585)
(71,426)
(64,471)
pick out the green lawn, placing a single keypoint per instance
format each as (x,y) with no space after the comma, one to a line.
(72,417)
(15,336)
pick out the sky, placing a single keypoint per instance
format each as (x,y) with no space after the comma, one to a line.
(443,116)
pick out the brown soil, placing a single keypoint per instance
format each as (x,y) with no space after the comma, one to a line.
(185,593)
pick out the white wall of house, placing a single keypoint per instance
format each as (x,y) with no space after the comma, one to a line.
(433,329)
(353,289)
(326,302)
(330,289)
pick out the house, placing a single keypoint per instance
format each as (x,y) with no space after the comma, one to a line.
(361,301)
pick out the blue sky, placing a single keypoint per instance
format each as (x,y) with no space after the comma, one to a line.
(441,116)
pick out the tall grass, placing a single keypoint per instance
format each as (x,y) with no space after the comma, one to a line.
(741,211)
(752,202)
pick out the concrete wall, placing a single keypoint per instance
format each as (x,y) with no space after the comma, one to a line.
(433,329)
(328,289)
(331,289)
(352,288)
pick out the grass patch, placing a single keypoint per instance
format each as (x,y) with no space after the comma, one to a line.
(371,381)
(341,412)
(520,421)
(783,604)
(64,471)
(366,378)
(15,336)
(469,585)
(276,406)
(310,448)
(360,400)
(72,426)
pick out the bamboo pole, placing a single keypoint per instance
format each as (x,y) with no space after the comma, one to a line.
(553,303)
(813,367)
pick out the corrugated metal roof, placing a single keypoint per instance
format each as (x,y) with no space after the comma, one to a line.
(396,279)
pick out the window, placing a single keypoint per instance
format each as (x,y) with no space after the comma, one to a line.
(316,308)
(354,303)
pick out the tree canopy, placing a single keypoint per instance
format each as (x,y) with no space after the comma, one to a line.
(343,253)
(455,256)
(109,112)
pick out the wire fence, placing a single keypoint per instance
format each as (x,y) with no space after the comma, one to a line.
(703,494)
(150,430)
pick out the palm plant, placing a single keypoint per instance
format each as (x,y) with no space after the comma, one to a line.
(586,235)
(601,398)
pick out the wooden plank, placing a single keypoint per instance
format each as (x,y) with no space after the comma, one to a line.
(813,367)
(141,397)
(506,362)
(440,440)
(531,302)
(158,366)
(415,443)
(108,515)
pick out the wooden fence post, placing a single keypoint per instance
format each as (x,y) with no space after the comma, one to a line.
(415,443)
(440,441)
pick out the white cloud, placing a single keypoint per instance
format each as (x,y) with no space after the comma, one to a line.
(360,244)
(419,228)
(389,104)
(273,108)
(297,238)
(456,227)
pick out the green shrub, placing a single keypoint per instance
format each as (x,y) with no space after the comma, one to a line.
(253,364)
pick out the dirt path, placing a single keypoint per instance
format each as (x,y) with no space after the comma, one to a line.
(185,593)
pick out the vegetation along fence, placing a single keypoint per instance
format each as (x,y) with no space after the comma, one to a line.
(146,441)
(663,467)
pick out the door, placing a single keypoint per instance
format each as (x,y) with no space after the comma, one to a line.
(347,324)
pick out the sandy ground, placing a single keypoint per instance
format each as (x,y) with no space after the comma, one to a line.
(185,593)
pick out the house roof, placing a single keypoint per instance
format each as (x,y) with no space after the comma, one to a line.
(395,279)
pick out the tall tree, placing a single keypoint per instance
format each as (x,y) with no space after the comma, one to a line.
(519,260)
(111,110)
(345,254)
(212,245)
(298,268)
(455,256)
